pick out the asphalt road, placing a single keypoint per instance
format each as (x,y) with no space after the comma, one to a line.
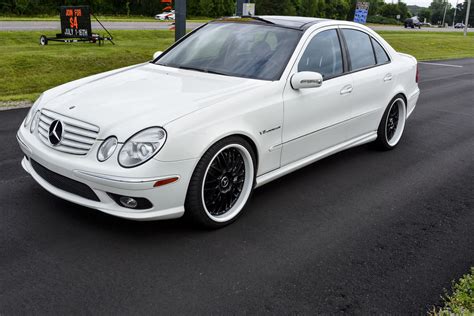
(360,232)
(55,26)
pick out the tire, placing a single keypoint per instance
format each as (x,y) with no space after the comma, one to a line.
(392,125)
(221,184)
(43,40)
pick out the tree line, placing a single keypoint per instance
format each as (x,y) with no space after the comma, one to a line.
(379,11)
(334,9)
(435,13)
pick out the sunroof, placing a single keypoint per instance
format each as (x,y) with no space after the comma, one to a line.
(294,22)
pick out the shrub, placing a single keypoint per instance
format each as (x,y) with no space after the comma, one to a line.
(461,301)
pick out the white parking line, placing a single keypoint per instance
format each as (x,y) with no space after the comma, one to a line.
(444,65)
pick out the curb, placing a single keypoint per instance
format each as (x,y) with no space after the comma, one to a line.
(11,105)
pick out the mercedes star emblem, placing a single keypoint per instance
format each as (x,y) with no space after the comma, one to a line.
(55,132)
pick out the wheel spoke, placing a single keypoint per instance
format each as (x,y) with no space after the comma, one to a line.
(392,121)
(224,181)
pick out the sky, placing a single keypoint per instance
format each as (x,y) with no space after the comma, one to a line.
(422,3)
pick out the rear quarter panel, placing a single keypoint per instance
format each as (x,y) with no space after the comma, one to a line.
(406,79)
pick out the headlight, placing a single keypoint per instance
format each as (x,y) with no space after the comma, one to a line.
(107,149)
(141,147)
(32,110)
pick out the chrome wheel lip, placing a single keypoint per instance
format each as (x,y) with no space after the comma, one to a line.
(400,124)
(246,189)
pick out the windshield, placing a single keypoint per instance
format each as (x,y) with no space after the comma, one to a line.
(235,49)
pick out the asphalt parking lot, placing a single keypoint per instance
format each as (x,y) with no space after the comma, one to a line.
(360,232)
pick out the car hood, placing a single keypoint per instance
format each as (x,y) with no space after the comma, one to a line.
(124,101)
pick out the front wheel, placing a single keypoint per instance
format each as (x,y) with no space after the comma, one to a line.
(221,183)
(392,124)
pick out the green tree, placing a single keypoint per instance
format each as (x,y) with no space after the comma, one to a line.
(424,13)
(392,10)
(437,8)
(309,8)
(336,9)
(271,7)
(206,8)
(218,8)
(193,8)
(229,7)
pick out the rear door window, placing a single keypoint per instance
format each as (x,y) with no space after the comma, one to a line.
(361,53)
(380,53)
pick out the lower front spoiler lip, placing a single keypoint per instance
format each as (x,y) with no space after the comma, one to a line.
(109,207)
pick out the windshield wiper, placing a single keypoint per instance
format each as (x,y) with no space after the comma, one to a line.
(202,70)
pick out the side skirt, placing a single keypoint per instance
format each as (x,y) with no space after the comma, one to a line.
(268,177)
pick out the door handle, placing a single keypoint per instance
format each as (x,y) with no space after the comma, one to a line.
(388,77)
(346,90)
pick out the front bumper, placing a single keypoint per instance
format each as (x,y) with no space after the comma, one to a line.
(104,178)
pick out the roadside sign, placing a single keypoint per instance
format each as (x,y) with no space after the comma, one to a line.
(75,21)
(361,12)
(76,27)
(398,16)
(248,9)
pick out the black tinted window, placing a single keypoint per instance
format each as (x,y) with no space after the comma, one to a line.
(235,49)
(380,53)
(323,55)
(361,53)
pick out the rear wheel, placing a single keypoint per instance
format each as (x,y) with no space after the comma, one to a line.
(391,127)
(221,183)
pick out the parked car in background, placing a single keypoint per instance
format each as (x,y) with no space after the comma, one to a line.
(412,23)
(234,105)
(459,25)
(426,24)
(167,15)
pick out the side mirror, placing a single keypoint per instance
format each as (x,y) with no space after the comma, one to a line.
(306,79)
(157,54)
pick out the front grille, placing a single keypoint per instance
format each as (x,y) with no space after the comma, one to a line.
(78,137)
(64,183)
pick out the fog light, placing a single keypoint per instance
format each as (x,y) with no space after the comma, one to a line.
(128,202)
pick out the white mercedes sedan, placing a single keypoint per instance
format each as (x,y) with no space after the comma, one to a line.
(248,100)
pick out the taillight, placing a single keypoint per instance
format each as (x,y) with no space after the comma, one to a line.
(417,73)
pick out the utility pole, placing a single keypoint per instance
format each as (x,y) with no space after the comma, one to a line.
(455,10)
(467,16)
(240,7)
(445,9)
(180,19)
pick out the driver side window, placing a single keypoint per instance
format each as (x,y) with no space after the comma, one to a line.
(323,54)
